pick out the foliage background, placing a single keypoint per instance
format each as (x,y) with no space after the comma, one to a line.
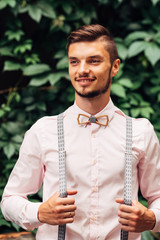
(34,77)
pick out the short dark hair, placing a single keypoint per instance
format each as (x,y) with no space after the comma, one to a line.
(94,32)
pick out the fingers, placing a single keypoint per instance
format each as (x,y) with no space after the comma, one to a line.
(119,200)
(67,214)
(71,192)
(135,218)
(57,210)
(62,208)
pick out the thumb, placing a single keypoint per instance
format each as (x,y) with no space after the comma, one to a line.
(137,204)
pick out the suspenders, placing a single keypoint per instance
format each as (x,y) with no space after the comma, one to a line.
(128,170)
(127,177)
(62,170)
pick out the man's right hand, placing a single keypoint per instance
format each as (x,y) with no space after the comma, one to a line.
(57,210)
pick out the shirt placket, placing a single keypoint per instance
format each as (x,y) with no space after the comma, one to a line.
(94,233)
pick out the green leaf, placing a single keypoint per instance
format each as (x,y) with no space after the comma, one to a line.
(3,4)
(14,34)
(126,82)
(36,69)
(32,59)
(4,223)
(59,54)
(136,35)
(35,13)
(136,48)
(2,113)
(54,77)
(118,90)
(17,138)
(15,226)
(122,51)
(12,128)
(144,104)
(12,66)
(135,112)
(87,19)
(47,9)
(125,105)
(22,48)
(9,150)
(11,3)
(67,8)
(157,37)
(146,112)
(63,63)
(155,89)
(38,81)
(6,51)
(40,192)
(41,106)
(152,52)
(146,236)
(155,1)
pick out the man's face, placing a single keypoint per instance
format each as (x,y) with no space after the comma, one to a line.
(90,69)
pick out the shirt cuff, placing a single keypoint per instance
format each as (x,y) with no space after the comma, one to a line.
(157,216)
(32,214)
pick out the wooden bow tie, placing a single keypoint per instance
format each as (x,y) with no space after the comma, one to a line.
(93,119)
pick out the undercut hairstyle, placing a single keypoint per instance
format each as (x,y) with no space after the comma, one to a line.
(89,33)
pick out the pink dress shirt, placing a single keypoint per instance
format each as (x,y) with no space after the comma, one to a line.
(95,167)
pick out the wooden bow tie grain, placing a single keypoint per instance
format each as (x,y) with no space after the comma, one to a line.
(93,119)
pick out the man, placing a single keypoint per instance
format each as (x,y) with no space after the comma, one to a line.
(95,149)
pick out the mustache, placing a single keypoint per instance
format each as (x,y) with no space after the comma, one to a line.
(87,77)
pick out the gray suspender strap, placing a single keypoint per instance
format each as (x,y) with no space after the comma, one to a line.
(62,169)
(128,170)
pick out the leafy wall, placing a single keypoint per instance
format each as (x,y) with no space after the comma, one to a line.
(34,77)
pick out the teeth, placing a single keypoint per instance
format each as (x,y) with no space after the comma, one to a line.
(86,80)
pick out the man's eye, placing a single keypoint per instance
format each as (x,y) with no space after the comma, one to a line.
(73,62)
(95,61)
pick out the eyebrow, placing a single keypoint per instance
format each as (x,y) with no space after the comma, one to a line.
(72,58)
(94,56)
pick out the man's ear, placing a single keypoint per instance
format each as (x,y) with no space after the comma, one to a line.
(115,67)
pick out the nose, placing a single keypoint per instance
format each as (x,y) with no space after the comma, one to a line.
(83,68)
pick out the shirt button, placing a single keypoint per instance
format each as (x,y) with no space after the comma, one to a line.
(93,135)
(95,161)
(93,218)
(95,189)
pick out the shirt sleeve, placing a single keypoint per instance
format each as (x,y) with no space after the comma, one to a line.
(26,178)
(149,172)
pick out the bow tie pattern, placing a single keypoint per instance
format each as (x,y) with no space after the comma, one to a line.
(85,119)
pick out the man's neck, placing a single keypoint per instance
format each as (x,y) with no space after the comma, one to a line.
(92,105)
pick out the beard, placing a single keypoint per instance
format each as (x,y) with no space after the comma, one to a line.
(97,92)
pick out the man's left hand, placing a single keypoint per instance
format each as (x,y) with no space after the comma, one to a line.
(135,218)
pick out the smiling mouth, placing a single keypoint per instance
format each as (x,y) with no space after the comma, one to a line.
(85,79)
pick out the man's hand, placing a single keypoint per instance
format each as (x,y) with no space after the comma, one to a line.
(135,218)
(57,210)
